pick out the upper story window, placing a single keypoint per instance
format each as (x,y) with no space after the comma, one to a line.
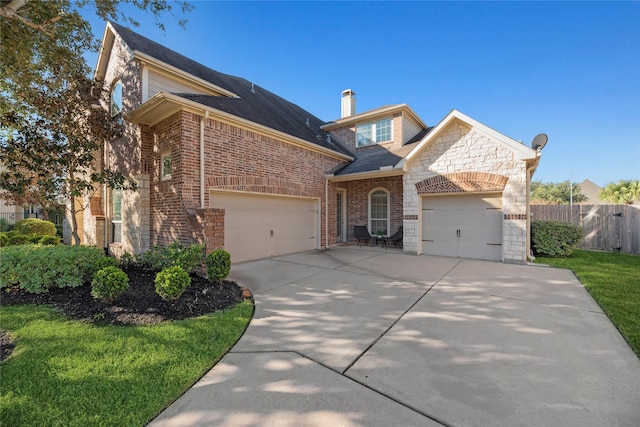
(116,99)
(373,133)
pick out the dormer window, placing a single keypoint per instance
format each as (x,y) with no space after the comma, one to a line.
(373,133)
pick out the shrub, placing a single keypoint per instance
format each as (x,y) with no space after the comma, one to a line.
(5,225)
(171,282)
(36,226)
(188,257)
(109,283)
(49,240)
(4,239)
(105,261)
(218,265)
(18,239)
(38,269)
(555,238)
(126,260)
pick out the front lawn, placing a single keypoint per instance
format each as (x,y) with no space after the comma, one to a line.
(72,373)
(613,280)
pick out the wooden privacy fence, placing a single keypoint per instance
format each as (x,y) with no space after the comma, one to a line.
(606,227)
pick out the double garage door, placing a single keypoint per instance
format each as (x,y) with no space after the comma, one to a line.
(258,226)
(462,226)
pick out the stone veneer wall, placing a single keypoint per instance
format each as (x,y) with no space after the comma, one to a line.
(463,149)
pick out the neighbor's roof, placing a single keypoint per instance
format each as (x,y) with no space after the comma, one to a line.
(252,103)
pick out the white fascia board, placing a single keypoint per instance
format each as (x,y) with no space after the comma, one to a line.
(150,60)
(381,173)
(520,151)
(106,46)
(368,115)
(144,114)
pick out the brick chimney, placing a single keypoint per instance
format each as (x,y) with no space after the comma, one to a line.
(348,103)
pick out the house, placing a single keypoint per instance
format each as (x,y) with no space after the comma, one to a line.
(221,160)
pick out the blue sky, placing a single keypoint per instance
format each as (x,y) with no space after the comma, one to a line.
(570,70)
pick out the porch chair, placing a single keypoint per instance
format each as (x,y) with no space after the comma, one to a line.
(362,234)
(396,238)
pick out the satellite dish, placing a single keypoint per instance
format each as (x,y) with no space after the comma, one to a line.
(539,141)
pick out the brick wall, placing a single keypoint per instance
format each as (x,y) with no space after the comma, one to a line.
(358,202)
(236,159)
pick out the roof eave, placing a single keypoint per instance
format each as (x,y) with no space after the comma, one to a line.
(359,118)
(163,105)
(380,173)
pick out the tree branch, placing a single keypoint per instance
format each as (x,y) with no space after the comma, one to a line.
(10,11)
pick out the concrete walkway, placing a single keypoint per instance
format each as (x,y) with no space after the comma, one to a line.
(364,337)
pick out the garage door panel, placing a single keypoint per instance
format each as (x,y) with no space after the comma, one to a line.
(463,226)
(264,226)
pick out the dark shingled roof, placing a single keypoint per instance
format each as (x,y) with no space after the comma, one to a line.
(255,103)
(372,158)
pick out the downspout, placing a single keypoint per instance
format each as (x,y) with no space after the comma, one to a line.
(326,213)
(202,123)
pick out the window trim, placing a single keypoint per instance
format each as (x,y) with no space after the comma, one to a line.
(115,221)
(388,219)
(374,132)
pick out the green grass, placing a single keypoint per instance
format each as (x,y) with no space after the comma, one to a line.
(613,280)
(68,373)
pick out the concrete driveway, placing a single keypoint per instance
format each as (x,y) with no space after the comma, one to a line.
(363,337)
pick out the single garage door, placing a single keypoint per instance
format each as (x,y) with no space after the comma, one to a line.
(258,226)
(462,226)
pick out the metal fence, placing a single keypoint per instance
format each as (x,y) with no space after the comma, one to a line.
(606,227)
(13,217)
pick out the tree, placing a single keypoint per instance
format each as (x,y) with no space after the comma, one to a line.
(45,39)
(51,129)
(622,192)
(54,153)
(561,193)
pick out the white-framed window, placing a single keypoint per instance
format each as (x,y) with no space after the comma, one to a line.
(374,133)
(116,216)
(116,99)
(379,211)
(165,166)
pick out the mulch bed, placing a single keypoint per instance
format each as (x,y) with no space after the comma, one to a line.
(138,305)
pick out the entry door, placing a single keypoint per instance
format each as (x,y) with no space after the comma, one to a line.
(463,226)
(258,226)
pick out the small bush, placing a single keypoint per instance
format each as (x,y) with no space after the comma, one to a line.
(109,283)
(218,265)
(105,261)
(49,240)
(171,282)
(38,269)
(188,257)
(4,240)
(5,225)
(18,239)
(555,238)
(36,226)
(126,260)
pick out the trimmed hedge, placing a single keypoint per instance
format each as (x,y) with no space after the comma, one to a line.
(218,265)
(188,257)
(38,269)
(109,283)
(35,226)
(555,238)
(171,282)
